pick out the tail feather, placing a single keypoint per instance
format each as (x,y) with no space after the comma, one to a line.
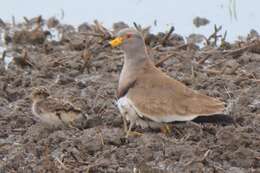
(217,119)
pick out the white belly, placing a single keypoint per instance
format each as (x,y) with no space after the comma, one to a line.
(131,113)
(128,111)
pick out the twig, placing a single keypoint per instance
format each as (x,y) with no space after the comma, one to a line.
(101,136)
(143,31)
(212,51)
(137,27)
(159,47)
(101,110)
(101,29)
(38,22)
(199,160)
(73,156)
(253,75)
(228,93)
(192,73)
(233,69)
(2,23)
(202,60)
(256,80)
(212,71)
(183,46)
(18,130)
(166,37)
(223,40)
(86,56)
(214,35)
(26,20)
(3,55)
(159,63)
(61,163)
(92,34)
(239,51)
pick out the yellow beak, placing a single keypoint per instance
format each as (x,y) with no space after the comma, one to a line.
(116,42)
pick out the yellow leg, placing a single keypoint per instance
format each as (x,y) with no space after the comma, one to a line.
(166,129)
(129,130)
(72,126)
(125,124)
(132,133)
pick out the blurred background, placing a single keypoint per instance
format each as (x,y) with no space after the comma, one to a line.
(238,17)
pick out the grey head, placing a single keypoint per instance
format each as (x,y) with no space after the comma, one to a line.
(132,42)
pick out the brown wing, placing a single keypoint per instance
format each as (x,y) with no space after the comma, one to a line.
(51,105)
(156,94)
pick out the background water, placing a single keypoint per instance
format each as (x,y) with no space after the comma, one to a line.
(236,16)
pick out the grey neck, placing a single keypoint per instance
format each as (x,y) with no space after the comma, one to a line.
(133,66)
(136,58)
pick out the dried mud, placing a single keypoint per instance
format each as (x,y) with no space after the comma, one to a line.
(78,68)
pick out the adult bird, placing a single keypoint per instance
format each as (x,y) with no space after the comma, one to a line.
(147,96)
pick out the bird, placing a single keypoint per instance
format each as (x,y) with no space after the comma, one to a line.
(53,111)
(86,57)
(148,97)
(23,60)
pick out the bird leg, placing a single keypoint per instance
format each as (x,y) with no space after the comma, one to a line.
(125,124)
(165,129)
(129,129)
(71,125)
(132,133)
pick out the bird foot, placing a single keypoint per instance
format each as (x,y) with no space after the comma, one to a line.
(71,125)
(133,133)
(165,129)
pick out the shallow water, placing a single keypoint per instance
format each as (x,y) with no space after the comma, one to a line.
(236,16)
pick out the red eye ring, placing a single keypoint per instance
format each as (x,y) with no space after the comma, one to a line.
(128,35)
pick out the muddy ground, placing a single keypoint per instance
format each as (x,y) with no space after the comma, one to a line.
(76,67)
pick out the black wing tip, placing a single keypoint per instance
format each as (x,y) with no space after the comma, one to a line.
(216,118)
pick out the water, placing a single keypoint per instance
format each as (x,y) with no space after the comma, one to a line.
(236,16)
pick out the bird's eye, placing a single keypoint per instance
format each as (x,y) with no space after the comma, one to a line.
(128,35)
